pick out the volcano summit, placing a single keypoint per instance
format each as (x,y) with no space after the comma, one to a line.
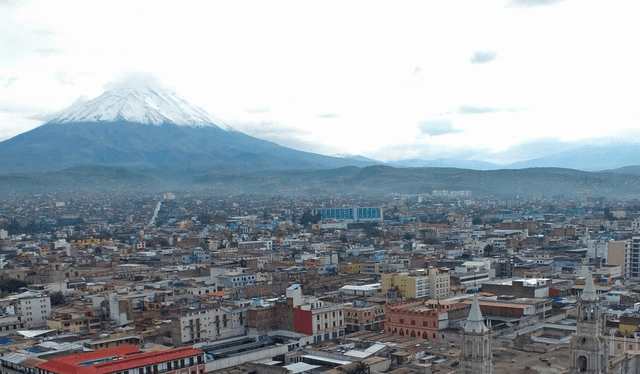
(139,105)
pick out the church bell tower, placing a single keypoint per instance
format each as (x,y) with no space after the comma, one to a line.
(475,345)
(588,347)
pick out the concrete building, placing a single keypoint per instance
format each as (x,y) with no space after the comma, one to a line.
(350,213)
(533,288)
(364,315)
(31,308)
(422,283)
(198,325)
(315,317)
(422,319)
(633,267)
(619,254)
(238,278)
(72,320)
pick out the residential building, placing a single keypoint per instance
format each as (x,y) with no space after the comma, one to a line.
(72,320)
(535,287)
(312,316)
(634,259)
(32,308)
(619,254)
(364,315)
(350,213)
(421,283)
(418,318)
(197,325)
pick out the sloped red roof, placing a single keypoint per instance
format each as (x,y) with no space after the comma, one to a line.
(69,364)
(129,357)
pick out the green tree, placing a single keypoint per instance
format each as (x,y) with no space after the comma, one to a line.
(488,249)
(308,218)
(57,298)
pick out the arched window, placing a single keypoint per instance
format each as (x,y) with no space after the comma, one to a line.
(583,364)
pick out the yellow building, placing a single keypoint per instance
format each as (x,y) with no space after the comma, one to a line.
(424,283)
(628,326)
(407,285)
(72,320)
(351,268)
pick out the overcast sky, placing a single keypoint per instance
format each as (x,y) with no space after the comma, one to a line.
(499,81)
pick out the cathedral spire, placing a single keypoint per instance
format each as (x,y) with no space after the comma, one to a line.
(475,321)
(589,293)
(475,343)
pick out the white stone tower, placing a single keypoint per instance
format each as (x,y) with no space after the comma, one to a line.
(475,346)
(589,347)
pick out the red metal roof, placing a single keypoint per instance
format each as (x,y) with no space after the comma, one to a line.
(69,364)
(128,358)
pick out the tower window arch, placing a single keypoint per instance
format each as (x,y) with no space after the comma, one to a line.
(583,364)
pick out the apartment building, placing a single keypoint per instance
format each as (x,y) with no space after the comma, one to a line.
(421,283)
(31,308)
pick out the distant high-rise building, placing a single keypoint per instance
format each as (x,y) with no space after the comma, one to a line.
(633,268)
(354,213)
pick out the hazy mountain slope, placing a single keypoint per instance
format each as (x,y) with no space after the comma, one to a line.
(446,163)
(347,180)
(592,158)
(383,179)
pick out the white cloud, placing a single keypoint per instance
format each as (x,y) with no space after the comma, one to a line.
(437,127)
(482,57)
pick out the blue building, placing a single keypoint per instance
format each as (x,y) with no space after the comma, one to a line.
(350,213)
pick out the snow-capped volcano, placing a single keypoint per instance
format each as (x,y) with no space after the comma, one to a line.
(149,128)
(153,106)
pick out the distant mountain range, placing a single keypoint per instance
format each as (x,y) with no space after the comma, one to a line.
(446,163)
(585,158)
(588,158)
(535,182)
(153,138)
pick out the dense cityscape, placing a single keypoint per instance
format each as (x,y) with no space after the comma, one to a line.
(191,281)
